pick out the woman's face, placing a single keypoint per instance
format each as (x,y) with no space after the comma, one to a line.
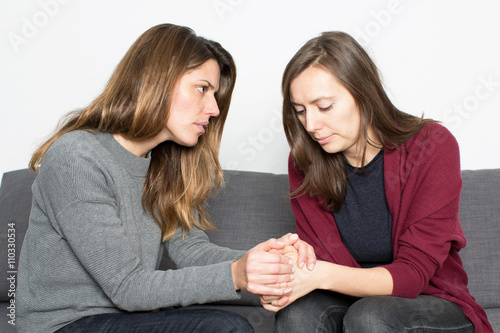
(327,111)
(193,104)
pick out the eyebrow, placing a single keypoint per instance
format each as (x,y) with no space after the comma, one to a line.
(209,84)
(316,100)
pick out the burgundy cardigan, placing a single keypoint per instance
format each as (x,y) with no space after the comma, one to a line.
(422,186)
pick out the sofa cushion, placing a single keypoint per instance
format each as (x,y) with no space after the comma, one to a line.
(15,207)
(480,219)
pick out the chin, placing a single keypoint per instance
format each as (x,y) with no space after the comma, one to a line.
(187,143)
(331,149)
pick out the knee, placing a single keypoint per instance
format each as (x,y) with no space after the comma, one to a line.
(229,322)
(292,319)
(366,315)
(299,319)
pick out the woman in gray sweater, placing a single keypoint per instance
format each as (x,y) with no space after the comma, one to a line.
(127,177)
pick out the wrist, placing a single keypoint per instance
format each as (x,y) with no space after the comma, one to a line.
(234,270)
(320,276)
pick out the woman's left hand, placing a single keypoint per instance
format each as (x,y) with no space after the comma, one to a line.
(305,251)
(304,282)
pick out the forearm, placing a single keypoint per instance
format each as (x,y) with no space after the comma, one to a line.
(195,249)
(360,282)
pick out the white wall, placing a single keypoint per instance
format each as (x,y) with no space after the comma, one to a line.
(437,57)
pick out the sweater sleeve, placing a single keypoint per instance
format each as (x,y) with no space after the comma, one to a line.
(195,249)
(86,216)
(423,192)
(102,247)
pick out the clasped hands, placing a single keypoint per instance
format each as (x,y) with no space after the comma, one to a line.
(270,268)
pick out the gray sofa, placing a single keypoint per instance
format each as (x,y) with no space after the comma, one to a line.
(253,207)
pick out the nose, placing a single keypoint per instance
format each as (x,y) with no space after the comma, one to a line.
(211,107)
(312,121)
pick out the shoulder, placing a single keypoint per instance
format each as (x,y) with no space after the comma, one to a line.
(76,146)
(433,146)
(73,151)
(432,142)
(75,140)
(77,167)
(431,134)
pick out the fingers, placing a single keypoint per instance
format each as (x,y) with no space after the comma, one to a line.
(306,254)
(272,308)
(272,244)
(271,280)
(261,289)
(274,303)
(269,298)
(265,262)
(305,251)
(260,272)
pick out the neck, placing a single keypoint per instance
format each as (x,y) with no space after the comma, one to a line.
(139,148)
(373,147)
(356,160)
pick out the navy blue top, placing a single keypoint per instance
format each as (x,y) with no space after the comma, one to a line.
(364,220)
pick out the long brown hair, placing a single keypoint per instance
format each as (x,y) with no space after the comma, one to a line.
(135,104)
(339,54)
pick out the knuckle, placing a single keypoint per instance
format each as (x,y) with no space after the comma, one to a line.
(276,269)
(274,279)
(251,287)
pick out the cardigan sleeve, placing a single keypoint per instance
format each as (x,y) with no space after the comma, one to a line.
(315,223)
(303,228)
(423,193)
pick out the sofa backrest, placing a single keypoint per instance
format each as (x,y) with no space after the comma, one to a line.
(259,199)
(480,219)
(15,207)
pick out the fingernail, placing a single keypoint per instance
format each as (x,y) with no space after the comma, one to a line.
(290,261)
(293,269)
(311,266)
(288,290)
(284,284)
(293,236)
(302,264)
(292,276)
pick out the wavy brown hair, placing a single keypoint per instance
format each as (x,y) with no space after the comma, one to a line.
(135,104)
(339,54)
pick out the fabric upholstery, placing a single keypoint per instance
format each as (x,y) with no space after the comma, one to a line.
(253,207)
(480,219)
(15,206)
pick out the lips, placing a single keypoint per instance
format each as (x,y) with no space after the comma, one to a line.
(324,140)
(202,126)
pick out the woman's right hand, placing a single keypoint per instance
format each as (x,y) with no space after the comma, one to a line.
(262,272)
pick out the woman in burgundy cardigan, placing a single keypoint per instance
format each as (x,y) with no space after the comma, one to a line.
(376,192)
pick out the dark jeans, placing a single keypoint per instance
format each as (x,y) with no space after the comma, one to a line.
(171,320)
(324,311)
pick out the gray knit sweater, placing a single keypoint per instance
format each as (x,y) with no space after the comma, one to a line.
(90,248)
